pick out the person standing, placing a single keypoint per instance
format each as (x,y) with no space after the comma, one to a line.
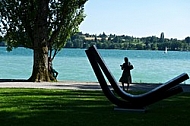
(126,74)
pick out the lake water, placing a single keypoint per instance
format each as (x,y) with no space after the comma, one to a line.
(73,65)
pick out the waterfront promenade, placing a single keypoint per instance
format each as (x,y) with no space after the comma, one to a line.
(77,85)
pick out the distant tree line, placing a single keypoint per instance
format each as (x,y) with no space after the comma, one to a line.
(112,41)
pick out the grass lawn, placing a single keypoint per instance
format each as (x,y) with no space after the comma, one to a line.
(45,107)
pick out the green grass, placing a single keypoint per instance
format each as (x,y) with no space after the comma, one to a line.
(45,107)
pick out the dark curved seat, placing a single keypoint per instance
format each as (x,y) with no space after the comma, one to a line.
(168,89)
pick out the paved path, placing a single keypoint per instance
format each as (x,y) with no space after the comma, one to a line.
(78,85)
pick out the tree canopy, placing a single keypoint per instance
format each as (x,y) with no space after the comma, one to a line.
(41,25)
(19,21)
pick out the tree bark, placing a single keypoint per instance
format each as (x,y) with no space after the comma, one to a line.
(40,65)
(40,44)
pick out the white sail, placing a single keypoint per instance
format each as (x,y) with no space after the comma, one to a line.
(166,50)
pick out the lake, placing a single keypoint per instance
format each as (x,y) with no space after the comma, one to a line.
(73,65)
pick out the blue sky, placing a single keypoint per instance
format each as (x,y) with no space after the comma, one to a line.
(138,18)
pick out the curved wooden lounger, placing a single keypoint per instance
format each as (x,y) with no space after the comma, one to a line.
(131,101)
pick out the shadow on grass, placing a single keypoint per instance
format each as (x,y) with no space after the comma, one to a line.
(47,107)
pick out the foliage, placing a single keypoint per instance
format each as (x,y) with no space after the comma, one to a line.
(41,25)
(111,41)
(36,107)
(20,21)
(66,23)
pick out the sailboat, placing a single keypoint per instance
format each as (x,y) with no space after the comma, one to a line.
(166,50)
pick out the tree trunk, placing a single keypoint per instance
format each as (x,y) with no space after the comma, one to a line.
(40,44)
(40,65)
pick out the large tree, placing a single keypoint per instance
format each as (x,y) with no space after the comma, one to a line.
(41,25)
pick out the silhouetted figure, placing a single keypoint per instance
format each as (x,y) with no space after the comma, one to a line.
(50,67)
(126,75)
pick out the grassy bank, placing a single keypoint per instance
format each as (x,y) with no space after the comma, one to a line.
(44,107)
